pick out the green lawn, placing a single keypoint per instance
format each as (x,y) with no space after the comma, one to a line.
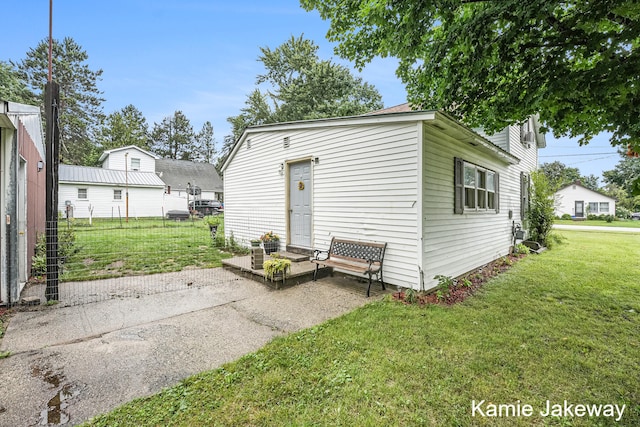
(618,223)
(563,325)
(112,248)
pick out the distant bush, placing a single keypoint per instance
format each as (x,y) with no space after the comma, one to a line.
(566,217)
(623,213)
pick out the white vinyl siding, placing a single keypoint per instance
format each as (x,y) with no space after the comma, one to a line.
(143,202)
(457,243)
(363,187)
(137,160)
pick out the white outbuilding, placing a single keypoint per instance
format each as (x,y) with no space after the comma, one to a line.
(445,198)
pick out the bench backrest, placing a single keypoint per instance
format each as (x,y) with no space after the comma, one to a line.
(357,250)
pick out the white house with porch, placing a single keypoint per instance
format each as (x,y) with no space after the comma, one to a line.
(443,197)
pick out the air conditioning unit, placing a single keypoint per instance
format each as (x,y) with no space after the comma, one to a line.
(528,138)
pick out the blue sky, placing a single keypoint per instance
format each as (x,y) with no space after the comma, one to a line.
(200,57)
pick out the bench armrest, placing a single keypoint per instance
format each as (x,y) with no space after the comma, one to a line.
(320,255)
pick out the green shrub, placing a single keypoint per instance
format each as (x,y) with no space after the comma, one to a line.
(540,216)
(566,217)
(66,248)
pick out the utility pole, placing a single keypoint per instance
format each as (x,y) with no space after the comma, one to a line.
(52,102)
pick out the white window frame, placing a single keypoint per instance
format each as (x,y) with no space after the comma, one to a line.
(136,161)
(591,208)
(479,187)
(602,209)
(117,192)
(86,194)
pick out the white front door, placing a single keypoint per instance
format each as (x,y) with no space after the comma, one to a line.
(300,204)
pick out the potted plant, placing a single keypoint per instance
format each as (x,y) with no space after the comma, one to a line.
(214,222)
(276,268)
(270,242)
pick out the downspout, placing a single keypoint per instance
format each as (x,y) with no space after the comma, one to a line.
(11,221)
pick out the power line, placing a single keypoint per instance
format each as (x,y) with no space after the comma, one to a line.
(580,155)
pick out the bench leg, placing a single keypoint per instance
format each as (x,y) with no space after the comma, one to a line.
(369,287)
(315,273)
(382,281)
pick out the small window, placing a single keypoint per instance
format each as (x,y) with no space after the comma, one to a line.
(82,193)
(476,188)
(135,164)
(285,142)
(117,194)
(593,207)
(604,207)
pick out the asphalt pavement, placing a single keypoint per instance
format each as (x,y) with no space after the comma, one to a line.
(69,364)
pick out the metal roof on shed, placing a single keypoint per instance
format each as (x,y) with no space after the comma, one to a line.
(100,176)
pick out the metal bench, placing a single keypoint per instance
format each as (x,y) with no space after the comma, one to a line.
(353,255)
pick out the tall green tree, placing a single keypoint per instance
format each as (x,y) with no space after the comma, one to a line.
(80,109)
(205,144)
(298,85)
(173,138)
(13,88)
(558,174)
(494,63)
(625,175)
(123,128)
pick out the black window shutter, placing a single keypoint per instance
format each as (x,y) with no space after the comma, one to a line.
(458,178)
(497,196)
(524,195)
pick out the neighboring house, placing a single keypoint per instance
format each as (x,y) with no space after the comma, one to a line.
(155,186)
(22,194)
(442,196)
(579,201)
(185,180)
(85,192)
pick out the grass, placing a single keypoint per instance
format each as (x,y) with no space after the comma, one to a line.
(563,325)
(598,222)
(113,248)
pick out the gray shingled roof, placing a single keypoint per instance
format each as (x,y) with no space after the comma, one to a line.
(177,173)
(91,175)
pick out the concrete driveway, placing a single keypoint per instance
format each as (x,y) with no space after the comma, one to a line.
(71,363)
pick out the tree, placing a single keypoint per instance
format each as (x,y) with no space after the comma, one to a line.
(80,109)
(625,175)
(13,88)
(123,128)
(227,145)
(205,144)
(302,86)
(558,174)
(494,63)
(174,138)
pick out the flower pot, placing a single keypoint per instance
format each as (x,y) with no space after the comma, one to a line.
(255,244)
(270,247)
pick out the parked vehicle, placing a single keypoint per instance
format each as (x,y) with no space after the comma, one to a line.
(204,207)
(636,216)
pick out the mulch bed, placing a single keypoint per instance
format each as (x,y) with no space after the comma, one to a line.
(461,288)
